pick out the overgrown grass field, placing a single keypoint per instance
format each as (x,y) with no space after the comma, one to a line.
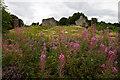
(60,52)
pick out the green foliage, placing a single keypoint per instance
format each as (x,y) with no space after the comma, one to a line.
(83,62)
(35,24)
(6,21)
(74,17)
(63,21)
(94,20)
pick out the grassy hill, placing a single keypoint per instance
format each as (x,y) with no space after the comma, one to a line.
(60,52)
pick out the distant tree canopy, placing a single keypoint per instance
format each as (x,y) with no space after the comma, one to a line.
(21,23)
(94,20)
(8,21)
(71,20)
(33,24)
(74,17)
(63,21)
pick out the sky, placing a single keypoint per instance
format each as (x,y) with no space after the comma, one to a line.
(36,10)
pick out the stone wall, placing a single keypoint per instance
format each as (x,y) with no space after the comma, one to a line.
(81,21)
(49,22)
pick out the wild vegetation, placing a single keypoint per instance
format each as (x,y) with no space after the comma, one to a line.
(60,52)
(64,51)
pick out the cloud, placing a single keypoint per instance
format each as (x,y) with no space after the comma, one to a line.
(23,10)
(119,11)
(92,10)
(36,10)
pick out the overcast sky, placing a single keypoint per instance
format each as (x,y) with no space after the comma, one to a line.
(36,10)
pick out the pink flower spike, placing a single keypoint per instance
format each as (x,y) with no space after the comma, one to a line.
(105,49)
(55,47)
(61,56)
(43,56)
(117,35)
(82,54)
(76,45)
(101,45)
(102,72)
(10,45)
(15,50)
(44,44)
(65,45)
(114,69)
(103,65)
(111,52)
(21,54)
(93,38)
(44,48)
(43,39)
(41,32)
(115,62)
(35,41)
(57,39)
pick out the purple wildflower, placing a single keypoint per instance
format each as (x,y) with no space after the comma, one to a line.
(10,45)
(76,45)
(101,45)
(55,47)
(82,54)
(35,41)
(44,44)
(16,50)
(115,62)
(65,45)
(117,35)
(44,48)
(103,65)
(114,69)
(28,39)
(70,52)
(111,52)
(43,56)
(20,54)
(43,39)
(57,39)
(41,32)
(93,38)
(61,56)
(107,27)
(105,49)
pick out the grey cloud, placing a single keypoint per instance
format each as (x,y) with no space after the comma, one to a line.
(119,11)
(90,10)
(22,9)
(27,11)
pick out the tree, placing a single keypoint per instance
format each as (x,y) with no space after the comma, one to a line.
(94,20)
(63,21)
(20,21)
(6,20)
(74,17)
